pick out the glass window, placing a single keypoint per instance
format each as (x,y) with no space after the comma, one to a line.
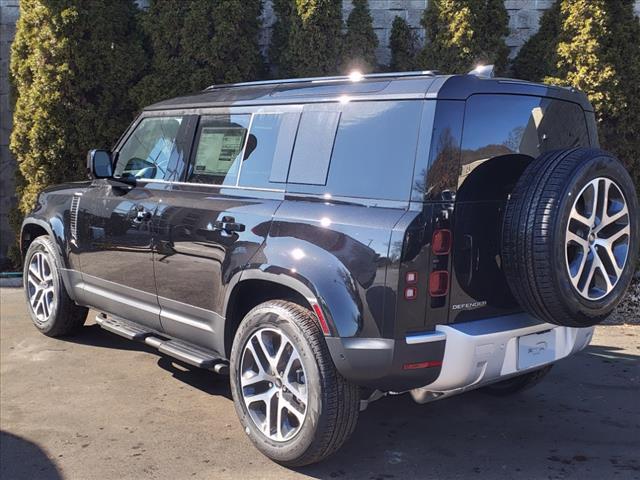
(268,150)
(219,144)
(504,124)
(374,151)
(151,150)
(314,142)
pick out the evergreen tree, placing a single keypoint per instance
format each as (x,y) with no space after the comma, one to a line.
(284,11)
(360,41)
(599,53)
(236,51)
(402,43)
(538,56)
(193,44)
(72,65)
(463,33)
(491,31)
(313,47)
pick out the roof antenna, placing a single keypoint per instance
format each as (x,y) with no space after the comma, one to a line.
(482,71)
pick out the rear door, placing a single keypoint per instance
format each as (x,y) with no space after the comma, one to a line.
(213,222)
(115,225)
(501,133)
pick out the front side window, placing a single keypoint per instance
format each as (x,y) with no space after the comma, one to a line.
(152,151)
(219,149)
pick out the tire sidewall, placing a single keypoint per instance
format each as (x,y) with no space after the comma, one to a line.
(41,245)
(606,166)
(271,316)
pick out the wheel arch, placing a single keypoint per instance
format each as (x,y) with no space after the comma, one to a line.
(257,285)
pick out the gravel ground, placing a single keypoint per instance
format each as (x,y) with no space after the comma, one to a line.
(628,312)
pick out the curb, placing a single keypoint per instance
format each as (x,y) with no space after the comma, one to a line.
(10,280)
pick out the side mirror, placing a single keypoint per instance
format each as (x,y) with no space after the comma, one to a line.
(99,164)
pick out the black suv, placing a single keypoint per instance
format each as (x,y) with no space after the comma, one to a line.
(326,241)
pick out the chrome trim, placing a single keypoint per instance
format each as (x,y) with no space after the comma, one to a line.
(190,184)
(427,337)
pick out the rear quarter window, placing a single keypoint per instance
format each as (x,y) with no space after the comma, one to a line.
(371,154)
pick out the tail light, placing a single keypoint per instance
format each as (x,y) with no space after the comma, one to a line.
(441,242)
(439,283)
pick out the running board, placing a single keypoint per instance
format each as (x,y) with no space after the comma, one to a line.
(178,349)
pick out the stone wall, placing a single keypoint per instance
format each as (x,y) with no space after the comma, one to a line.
(524,16)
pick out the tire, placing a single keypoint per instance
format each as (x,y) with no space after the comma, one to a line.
(517,384)
(52,310)
(332,406)
(555,259)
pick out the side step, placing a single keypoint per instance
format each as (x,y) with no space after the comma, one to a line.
(178,349)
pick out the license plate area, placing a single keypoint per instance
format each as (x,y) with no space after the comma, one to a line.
(536,349)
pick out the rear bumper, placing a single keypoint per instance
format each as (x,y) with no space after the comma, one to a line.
(486,351)
(461,356)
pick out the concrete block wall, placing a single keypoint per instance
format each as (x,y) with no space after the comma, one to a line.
(8,17)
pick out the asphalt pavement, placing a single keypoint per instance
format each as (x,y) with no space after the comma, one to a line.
(97,406)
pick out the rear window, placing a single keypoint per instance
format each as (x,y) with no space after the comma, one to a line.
(505,124)
(370,154)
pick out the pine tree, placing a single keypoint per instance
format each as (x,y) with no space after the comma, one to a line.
(313,47)
(492,28)
(237,55)
(72,65)
(599,53)
(284,11)
(193,44)
(463,33)
(360,41)
(402,43)
(538,56)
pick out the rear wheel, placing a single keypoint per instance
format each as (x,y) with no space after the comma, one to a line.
(517,384)
(52,310)
(293,404)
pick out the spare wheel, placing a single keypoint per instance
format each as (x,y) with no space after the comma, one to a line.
(570,236)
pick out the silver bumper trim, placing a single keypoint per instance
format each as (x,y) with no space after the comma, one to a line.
(428,337)
(485,351)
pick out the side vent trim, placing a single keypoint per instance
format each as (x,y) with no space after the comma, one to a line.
(73,221)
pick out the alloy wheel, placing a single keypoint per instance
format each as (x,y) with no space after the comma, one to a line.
(273,384)
(597,238)
(40,287)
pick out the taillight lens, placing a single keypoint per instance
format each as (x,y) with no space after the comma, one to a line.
(439,283)
(411,278)
(441,242)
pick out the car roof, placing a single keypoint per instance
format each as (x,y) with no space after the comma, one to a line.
(385,86)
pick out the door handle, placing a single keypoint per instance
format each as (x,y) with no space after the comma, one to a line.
(228,224)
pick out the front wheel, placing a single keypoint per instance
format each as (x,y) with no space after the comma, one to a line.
(293,404)
(52,311)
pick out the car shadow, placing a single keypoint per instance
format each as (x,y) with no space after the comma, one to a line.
(582,419)
(21,459)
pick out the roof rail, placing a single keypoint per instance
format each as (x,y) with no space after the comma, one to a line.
(355,77)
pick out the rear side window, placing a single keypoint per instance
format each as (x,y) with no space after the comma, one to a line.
(504,124)
(268,151)
(220,141)
(314,143)
(374,151)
